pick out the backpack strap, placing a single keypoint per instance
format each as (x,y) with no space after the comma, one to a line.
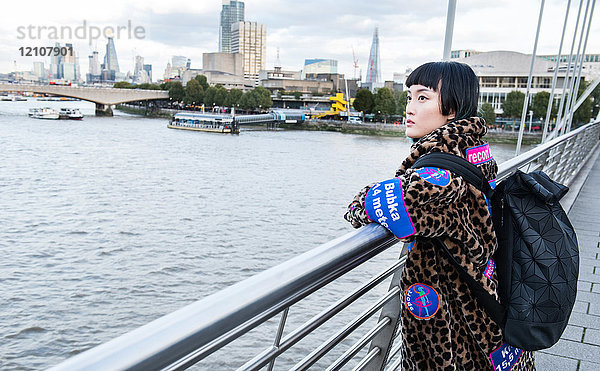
(492,307)
(459,166)
(473,175)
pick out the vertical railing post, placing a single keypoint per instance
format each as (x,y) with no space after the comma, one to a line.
(385,339)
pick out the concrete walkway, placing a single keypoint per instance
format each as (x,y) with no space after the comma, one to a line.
(579,347)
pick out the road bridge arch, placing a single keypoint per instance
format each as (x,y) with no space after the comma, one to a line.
(104,98)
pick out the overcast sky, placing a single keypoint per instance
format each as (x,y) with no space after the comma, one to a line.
(411,32)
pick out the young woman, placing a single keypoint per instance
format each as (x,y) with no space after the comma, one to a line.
(443,326)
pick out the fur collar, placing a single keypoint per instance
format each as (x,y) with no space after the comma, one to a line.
(454,137)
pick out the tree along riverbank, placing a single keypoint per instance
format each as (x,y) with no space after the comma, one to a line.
(148,112)
(381,129)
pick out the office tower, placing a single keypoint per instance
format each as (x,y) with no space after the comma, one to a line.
(111,62)
(67,71)
(374,69)
(55,62)
(178,61)
(168,72)
(38,70)
(232,12)
(148,69)
(68,64)
(71,55)
(139,64)
(94,64)
(139,73)
(94,70)
(250,39)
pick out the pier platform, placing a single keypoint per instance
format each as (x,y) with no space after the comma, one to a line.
(579,347)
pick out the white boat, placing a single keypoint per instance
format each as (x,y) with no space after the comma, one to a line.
(13,98)
(202,122)
(70,114)
(44,113)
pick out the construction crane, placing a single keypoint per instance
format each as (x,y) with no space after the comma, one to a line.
(355,60)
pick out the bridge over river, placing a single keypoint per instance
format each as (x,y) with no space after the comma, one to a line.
(104,98)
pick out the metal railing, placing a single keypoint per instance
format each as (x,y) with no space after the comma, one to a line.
(187,336)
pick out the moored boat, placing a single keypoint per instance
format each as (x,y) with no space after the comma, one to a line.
(203,122)
(44,113)
(70,114)
(12,98)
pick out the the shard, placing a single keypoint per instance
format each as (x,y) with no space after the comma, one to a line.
(374,68)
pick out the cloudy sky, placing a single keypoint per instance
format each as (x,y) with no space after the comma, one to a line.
(411,31)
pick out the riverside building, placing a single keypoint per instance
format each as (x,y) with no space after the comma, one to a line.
(250,39)
(501,72)
(225,69)
(314,67)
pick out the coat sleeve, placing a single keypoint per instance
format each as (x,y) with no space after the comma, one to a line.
(356,214)
(429,197)
(438,204)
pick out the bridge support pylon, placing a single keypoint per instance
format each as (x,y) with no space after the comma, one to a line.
(103,109)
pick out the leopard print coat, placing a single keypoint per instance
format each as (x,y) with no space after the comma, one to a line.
(459,335)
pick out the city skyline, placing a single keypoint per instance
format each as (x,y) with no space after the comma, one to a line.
(410,32)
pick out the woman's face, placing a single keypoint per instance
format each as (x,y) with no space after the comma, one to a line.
(424,111)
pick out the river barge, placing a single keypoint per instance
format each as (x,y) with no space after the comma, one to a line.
(231,124)
(202,122)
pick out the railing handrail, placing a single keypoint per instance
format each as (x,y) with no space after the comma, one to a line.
(509,166)
(205,325)
(168,339)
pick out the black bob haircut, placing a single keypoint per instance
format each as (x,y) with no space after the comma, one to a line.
(457,83)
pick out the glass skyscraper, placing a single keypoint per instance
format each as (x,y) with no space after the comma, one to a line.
(374,69)
(111,62)
(232,12)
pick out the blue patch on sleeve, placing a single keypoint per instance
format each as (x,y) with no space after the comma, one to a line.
(384,204)
(435,175)
(505,357)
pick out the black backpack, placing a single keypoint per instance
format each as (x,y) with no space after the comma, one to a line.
(537,258)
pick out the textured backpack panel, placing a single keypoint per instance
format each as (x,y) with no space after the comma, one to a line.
(537,259)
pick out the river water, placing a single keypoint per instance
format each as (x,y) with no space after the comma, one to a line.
(111,222)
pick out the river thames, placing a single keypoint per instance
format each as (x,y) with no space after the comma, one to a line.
(111,222)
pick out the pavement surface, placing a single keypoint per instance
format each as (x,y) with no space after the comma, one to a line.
(579,347)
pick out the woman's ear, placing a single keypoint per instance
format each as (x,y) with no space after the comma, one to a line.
(451,116)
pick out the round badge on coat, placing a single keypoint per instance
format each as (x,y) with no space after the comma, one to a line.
(422,301)
(435,175)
